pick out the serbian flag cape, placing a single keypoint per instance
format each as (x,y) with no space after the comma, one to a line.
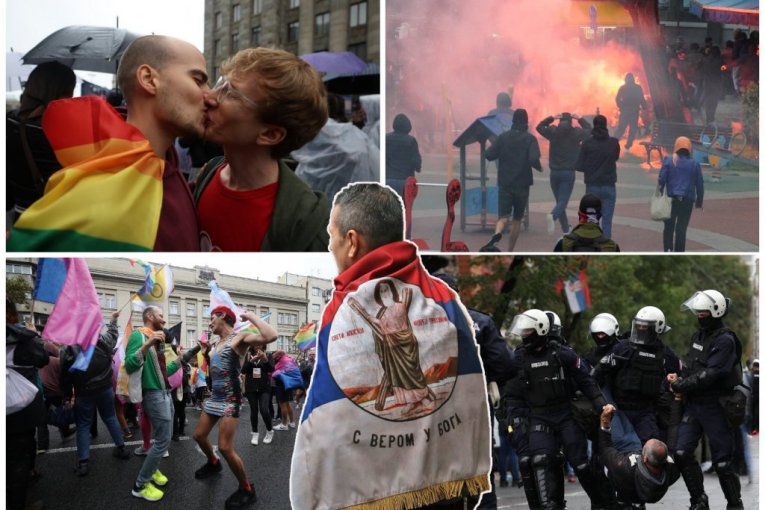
(108,196)
(397,414)
(76,316)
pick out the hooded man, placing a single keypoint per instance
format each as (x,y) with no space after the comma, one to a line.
(597,159)
(518,152)
(402,154)
(565,140)
(587,236)
(629,99)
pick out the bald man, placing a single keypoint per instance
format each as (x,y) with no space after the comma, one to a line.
(637,477)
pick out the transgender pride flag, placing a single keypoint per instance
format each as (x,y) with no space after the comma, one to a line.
(76,316)
(577,292)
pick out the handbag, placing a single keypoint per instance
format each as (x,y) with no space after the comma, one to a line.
(19,392)
(661,205)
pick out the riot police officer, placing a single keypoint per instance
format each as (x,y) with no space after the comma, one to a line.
(636,370)
(712,372)
(546,371)
(604,331)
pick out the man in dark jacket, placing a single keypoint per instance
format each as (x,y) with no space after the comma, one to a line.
(93,389)
(629,99)
(402,154)
(597,159)
(518,152)
(587,236)
(639,477)
(565,140)
(257,370)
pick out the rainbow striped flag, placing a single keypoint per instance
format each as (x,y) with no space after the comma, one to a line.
(108,196)
(306,337)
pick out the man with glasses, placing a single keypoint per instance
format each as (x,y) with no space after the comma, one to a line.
(267,103)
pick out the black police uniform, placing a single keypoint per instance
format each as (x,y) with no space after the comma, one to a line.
(497,366)
(545,385)
(713,369)
(637,375)
(629,476)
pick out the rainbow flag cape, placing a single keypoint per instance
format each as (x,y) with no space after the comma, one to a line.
(161,285)
(76,316)
(306,336)
(108,196)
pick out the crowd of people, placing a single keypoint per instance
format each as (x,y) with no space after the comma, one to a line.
(151,400)
(261,134)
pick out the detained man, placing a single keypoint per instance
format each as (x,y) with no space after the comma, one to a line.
(397,413)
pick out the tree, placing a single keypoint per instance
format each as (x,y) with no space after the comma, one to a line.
(17,289)
(619,285)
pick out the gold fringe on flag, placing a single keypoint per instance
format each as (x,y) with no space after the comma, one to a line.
(428,495)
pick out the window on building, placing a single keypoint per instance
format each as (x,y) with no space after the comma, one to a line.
(280,318)
(234,42)
(218,20)
(264,311)
(107,301)
(175,308)
(322,24)
(360,50)
(358,14)
(294,4)
(191,309)
(236,13)
(18,269)
(191,336)
(257,6)
(315,308)
(293,30)
(206,310)
(315,291)
(255,39)
(217,50)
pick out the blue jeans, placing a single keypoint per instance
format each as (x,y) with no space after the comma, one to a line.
(159,408)
(84,407)
(507,457)
(607,196)
(562,184)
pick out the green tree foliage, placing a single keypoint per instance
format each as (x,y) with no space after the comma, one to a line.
(619,285)
(17,289)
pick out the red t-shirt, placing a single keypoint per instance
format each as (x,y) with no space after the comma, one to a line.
(235,220)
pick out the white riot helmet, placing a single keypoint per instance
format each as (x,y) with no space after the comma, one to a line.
(709,300)
(606,324)
(555,324)
(647,325)
(532,326)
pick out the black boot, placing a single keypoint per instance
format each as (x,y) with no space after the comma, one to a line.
(608,495)
(547,481)
(730,484)
(694,480)
(560,474)
(491,246)
(529,485)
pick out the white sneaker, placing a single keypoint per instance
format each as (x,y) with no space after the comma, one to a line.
(166,454)
(140,451)
(292,424)
(254,439)
(268,437)
(281,426)
(550,223)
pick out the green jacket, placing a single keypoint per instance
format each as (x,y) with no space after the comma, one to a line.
(150,378)
(300,218)
(588,237)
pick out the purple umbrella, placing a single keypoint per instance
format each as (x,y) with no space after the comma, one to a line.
(338,62)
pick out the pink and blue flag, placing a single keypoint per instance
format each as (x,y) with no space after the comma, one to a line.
(76,316)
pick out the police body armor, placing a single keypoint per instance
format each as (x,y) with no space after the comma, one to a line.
(698,356)
(547,388)
(641,377)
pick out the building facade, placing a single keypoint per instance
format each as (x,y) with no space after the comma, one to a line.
(298,26)
(116,280)
(317,291)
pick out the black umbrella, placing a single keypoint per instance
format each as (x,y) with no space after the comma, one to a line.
(363,83)
(83,47)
